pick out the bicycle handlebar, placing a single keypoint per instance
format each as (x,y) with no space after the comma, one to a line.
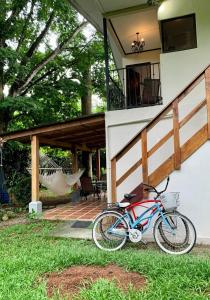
(154,189)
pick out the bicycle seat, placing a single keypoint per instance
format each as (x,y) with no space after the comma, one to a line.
(129,196)
(123,204)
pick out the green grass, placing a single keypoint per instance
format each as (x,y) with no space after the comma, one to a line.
(27,253)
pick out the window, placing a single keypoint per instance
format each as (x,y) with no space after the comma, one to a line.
(179,34)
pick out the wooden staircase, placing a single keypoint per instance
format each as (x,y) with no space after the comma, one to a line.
(180,152)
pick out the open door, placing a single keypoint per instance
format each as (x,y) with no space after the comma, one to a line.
(135,78)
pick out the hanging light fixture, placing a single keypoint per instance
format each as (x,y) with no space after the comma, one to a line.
(138,45)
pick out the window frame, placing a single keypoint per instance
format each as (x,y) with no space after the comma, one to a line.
(193,16)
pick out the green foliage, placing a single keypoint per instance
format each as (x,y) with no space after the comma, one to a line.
(34,215)
(93,57)
(18,180)
(31,34)
(27,254)
(30,31)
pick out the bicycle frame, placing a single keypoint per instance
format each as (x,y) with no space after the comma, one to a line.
(143,219)
(155,209)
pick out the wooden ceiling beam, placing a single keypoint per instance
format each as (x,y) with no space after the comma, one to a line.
(80,134)
(69,146)
(79,140)
(56,128)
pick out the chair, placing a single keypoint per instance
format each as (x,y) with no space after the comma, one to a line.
(87,188)
(150,94)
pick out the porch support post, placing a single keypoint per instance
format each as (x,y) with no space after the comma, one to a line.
(90,171)
(74,160)
(98,164)
(35,205)
(106,50)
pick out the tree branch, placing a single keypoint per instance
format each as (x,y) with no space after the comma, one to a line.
(50,57)
(49,72)
(14,14)
(18,82)
(38,40)
(73,62)
(27,20)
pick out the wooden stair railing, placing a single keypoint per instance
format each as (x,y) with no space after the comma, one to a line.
(181,153)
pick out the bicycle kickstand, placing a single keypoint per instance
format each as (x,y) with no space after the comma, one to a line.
(144,242)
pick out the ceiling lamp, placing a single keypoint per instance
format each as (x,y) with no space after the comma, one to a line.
(138,45)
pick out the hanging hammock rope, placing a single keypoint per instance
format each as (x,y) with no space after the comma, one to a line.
(57,179)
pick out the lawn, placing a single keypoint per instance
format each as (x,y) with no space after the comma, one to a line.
(27,253)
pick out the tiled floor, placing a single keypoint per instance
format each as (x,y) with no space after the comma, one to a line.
(83,210)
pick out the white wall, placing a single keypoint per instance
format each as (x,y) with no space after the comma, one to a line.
(193,183)
(138,58)
(178,69)
(194,192)
(122,126)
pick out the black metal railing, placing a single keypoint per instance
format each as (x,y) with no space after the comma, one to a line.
(135,86)
(116,95)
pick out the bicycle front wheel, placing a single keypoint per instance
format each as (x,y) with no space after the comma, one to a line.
(174,233)
(110,231)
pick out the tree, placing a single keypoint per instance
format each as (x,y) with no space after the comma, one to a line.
(26,26)
(45,80)
(90,73)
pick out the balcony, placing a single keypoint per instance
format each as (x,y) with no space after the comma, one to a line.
(134,86)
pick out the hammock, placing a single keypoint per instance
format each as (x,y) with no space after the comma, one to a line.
(60,183)
(55,178)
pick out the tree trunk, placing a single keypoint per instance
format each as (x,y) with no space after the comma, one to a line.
(86,98)
(86,103)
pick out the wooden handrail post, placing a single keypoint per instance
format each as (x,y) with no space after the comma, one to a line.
(207,83)
(177,149)
(144,156)
(113,179)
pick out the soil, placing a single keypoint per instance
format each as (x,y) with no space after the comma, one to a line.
(21,219)
(71,280)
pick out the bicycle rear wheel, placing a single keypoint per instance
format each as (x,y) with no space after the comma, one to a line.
(110,231)
(174,233)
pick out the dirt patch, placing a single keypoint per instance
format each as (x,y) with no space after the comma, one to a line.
(70,281)
(22,219)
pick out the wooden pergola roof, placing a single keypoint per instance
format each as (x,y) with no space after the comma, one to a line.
(85,133)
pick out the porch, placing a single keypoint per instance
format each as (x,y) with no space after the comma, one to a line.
(84,210)
(83,134)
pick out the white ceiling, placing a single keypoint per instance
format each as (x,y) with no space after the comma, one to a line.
(93,10)
(111,5)
(145,22)
(126,25)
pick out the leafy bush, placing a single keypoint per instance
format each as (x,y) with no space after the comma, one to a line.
(18,180)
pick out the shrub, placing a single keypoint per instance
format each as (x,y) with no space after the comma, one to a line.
(18,180)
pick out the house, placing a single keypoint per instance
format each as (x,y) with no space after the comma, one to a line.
(158,102)
(158,98)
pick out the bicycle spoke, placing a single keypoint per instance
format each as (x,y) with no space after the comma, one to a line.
(110,231)
(180,239)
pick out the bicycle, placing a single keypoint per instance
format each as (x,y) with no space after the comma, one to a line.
(173,232)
